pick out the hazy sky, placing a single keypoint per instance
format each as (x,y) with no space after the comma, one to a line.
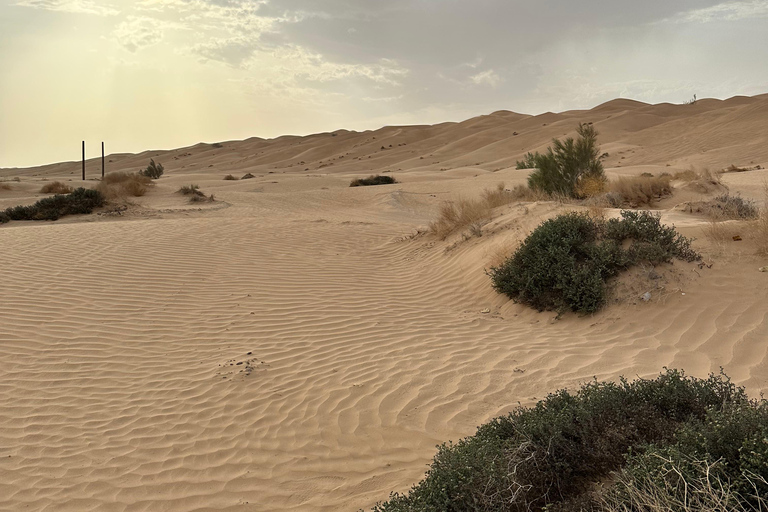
(154,74)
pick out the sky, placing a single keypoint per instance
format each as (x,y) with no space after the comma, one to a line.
(160,74)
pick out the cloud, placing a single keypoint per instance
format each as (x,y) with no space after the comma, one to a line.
(727,11)
(489,77)
(71,6)
(137,33)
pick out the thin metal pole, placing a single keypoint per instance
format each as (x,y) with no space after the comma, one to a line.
(83,160)
(102,160)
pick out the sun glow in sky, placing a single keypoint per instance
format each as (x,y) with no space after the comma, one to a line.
(153,74)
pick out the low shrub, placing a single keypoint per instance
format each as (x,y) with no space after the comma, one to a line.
(52,208)
(640,190)
(153,170)
(121,185)
(555,455)
(565,263)
(196,194)
(247,176)
(5,186)
(55,187)
(373,180)
(192,190)
(229,177)
(735,207)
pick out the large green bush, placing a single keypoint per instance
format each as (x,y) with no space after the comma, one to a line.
(565,262)
(81,200)
(566,163)
(556,454)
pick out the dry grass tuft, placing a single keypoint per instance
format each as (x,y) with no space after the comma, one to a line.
(197,195)
(55,187)
(688,175)
(639,190)
(455,215)
(121,185)
(229,177)
(5,186)
(474,213)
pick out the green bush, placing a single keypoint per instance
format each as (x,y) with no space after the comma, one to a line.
(4,218)
(153,170)
(52,208)
(528,162)
(565,262)
(559,170)
(554,454)
(373,180)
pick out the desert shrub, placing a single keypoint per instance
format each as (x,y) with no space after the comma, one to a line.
(688,175)
(373,180)
(462,213)
(52,208)
(472,213)
(641,190)
(247,176)
(5,186)
(528,162)
(229,177)
(566,261)
(55,187)
(217,145)
(552,456)
(121,185)
(735,207)
(192,190)
(4,218)
(153,170)
(647,174)
(559,170)
(590,186)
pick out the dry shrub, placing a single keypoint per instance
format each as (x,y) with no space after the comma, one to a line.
(5,186)
(498,196)
(229,177)
(55,187)
(459,214)
(474,213)
(688,175)
(121,185)
(525,193)
(640,190)
(590,186)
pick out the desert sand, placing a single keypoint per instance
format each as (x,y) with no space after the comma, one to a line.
(299,345)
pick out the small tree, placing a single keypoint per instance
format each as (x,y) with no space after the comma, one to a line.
(559,170)
(153,170)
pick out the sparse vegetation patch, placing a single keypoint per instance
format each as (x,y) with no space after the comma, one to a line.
(52,208)
(565,263)
(55,187)
(373,180)
(229,177)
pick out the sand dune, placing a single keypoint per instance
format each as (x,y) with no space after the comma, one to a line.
(299,346)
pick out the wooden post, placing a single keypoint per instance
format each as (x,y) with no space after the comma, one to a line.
(102,160)
(83,160)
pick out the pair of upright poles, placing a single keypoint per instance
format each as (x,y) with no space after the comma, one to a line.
(102,160)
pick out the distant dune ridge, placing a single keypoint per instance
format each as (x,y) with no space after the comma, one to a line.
(302,345)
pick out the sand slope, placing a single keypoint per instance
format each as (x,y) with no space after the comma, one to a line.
(295,346)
